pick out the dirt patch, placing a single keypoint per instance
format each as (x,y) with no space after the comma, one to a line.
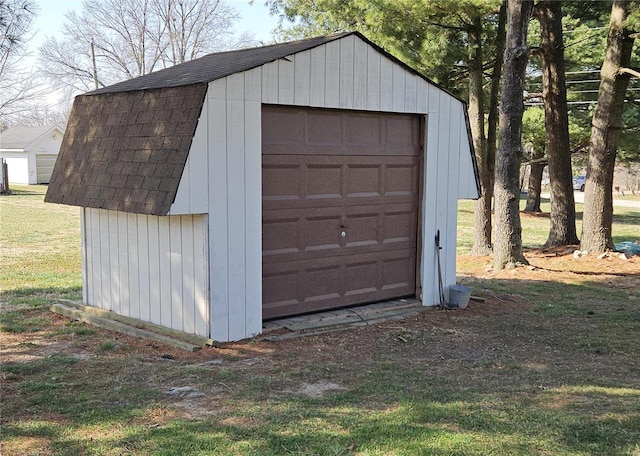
(318,389)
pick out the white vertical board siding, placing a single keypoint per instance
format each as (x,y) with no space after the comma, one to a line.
(85,251)
(468,188)
(317,79)
(235,203)
(218,209)
(456,133)
(373,79)
(253,217)
(192,195)
(134,266)
(346,74)
(429,201)
(236,222)
(302,78)
(158,277)
(145,279)
(331,75)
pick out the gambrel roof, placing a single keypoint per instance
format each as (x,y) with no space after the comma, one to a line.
(126,145)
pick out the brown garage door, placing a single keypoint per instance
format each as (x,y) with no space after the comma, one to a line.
(339,208)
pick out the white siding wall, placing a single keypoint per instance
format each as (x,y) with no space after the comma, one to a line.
(17,166)
(23,168)
(146,267)
(343,74)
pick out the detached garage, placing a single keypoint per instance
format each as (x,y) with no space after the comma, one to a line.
(30,153)
(265,182)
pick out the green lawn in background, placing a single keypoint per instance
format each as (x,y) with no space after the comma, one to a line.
(535,228)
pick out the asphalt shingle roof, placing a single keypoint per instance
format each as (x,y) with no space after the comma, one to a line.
(21,137)
(219,65)
(126,145)
(126,151)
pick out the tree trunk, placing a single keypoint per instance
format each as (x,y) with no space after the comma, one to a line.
(605,132)
(482,216)
(534,186)
(487,165)
(507,250)
(554,93)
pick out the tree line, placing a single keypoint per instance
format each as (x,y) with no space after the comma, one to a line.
(545,82)
(499,55)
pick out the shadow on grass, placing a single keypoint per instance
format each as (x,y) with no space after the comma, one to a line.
(342,424)
(51,293)
(35,190)
(554,376)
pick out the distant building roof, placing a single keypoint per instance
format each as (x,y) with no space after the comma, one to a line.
(21,137)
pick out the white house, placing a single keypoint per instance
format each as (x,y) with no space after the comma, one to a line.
(30,152)
(264,182)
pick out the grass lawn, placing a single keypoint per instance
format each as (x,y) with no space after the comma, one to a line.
(549,364)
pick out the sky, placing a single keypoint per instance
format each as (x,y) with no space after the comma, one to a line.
(254,18)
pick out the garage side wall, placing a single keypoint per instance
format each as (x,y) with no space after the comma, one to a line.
(18,167)
(147,267)
(343,74)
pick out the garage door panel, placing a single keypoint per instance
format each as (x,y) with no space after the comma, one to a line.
(340,208)
(332,282)
(397,272)
(321,232)
(302,131)
(363,130)
(293,235)
(298,182)
(397,226)
(323,181)
(401,179)
(281,126)
(364,180)
(362,277)
(281,182)
(321,283)
(323,128)
(401,134)
(280,288)
(280,236)
(362,229)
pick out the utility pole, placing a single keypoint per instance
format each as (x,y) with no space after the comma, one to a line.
(95,68)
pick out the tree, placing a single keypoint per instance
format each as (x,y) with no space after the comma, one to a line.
(17,86)
(449,41)
(130,38)
(534,140)
(486,155)
(507,250)
(554,95)
(605,132)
